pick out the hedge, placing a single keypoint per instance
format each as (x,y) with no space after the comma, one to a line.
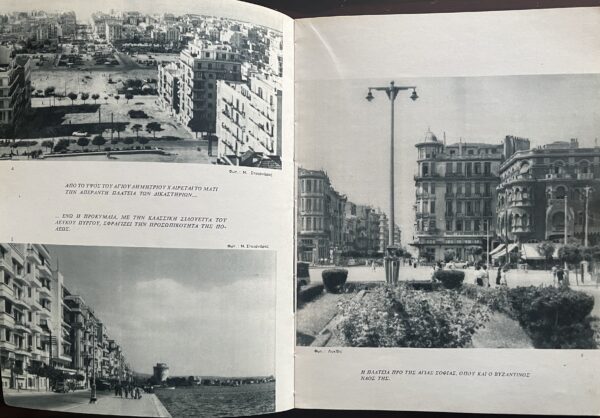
(451,279)
(334,279)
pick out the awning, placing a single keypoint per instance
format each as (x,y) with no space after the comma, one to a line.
(530,252)
(511,248)
(497,249)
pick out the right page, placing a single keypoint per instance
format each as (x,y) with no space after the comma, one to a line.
(448,212)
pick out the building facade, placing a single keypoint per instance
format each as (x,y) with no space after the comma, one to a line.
(249,121)
(202,65)
(43,325)
(15,91)
(320,218)
(168,87)
(543,192)
(455,198)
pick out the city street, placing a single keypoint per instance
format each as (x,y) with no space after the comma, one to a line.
(514,278)
(78,402)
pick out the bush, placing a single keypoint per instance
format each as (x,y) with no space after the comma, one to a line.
(554,317)
(334,279)
(495,298)
(309,293)
(451,279)
(402,317)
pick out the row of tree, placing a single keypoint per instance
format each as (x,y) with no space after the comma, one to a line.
(50,91)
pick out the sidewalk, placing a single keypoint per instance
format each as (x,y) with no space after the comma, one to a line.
(148,406)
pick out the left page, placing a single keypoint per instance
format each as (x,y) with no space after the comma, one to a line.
(147,189)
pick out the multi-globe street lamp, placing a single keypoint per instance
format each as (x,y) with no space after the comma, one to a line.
(392,263)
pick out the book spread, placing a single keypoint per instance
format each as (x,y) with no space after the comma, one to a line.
(212,209)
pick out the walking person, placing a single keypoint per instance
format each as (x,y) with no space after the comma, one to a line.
(126,390)
(486,276)
(560,275)
(478,276)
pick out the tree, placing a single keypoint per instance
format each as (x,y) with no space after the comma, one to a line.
(49,91)
(117,97)
(136,128)
(118,128)
(449,255)
(128,96)
(153,127)
(143,140)
(129,140)
(546,248)
(72,96)
(83,142)
(84,97)
(95,97)
(47,144)
(98,141)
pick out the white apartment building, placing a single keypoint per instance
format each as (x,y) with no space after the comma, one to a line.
(15,90)
(249,120)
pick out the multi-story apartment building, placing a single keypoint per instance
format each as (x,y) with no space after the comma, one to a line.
(43,325)
(543,192)
(168,87)
(249,122)
(202,65)
(455,197)
(384,237)
(113,30)
(15,90)
(320,218)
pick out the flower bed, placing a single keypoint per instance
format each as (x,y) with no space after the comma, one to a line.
(402,317)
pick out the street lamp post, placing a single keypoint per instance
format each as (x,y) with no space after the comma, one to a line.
(93,388)
(392,263)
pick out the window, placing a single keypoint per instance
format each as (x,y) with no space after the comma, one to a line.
(448,207)
(432,188)
(468,169)
(487,168)
(470,152)
(448,168)
(448,188)
(477,225)
(458,207)
(477,168)
(487,190)
(432,206)
(448,225)
(425,168)
(468,189)
(467,225)
(459,168)
(469,208)
(477,207)
(459,226)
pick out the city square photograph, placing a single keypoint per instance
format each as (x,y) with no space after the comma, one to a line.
(449,212)
(165,83)
(137,331)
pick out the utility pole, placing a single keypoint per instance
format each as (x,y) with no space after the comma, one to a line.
(588,189)
(487,233)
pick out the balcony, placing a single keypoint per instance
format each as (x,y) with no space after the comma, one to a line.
(44,271)
(7,266)
(558,176)
(7,320)
(522,229)
(425,176)
(44,292)
(585,176)
(21,303)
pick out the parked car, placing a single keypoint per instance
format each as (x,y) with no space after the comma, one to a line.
(302,274)
(352,262)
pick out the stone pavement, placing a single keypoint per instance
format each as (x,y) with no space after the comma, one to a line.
(148,406)
(78,402)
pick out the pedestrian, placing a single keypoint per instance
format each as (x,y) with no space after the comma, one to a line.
(126,390)
(486,276)
(560,275)
(554,269)
(478,276)
(138,394)
(116,390)
(499,276)
(503,281)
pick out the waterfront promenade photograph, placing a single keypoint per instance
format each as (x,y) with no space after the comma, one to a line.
(449,212)
(137,331)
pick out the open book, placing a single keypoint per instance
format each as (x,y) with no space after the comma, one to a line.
(211,209)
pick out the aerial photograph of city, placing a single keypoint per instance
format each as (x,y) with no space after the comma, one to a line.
(469,217)
(137,331)
(118,85)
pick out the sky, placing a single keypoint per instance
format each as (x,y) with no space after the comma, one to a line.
(84,8)
(347,136)
(203,312)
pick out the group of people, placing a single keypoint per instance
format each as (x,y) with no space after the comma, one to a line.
(482,276)
(130,391)
(560,276)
